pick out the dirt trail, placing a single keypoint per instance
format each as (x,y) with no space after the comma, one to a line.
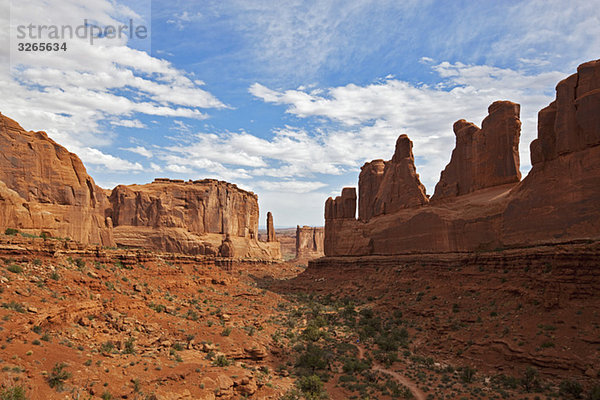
(419,395)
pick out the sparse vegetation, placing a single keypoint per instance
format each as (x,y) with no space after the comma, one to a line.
(15,268)
(58,376)
(16,392)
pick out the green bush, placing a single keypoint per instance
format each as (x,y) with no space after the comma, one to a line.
(107,347)
(594,393)
(11,231)
(570,388)
(313,358)
(311,333)
(13,305)
(530,380)
(58,376)
(468,374)
(221,361)
(226,332)
(17,269)
(312,387)
(129,346)
(13,393)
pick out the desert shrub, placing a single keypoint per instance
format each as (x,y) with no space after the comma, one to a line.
(221,361)
(226,331)
(192,315)
(570,388)
(354,365)
(594,393)
(107,347)
(177,346)
(55,276)
(11,231)
(530,380)
(468,374)
(129,346)
(13,305)
(312,359)
(58,376)
(311,333)
(14,268)
(13,393)
(312,387)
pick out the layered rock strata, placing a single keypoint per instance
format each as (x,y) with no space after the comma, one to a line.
(192,217)
(483,157)
(479,203)
(309,242)
(45,189)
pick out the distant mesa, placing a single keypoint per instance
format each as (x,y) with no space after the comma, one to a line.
(44,187)
(480,202)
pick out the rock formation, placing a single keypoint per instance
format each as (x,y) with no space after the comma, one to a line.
(386,187)
(479,203)
(309,242)
(193,217)
(270,228)
(560,197)
(342,207)
(483,157)
(45,188)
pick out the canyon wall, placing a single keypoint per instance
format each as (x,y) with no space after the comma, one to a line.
(480,202)
(45,189)
(309,242)
(192,217)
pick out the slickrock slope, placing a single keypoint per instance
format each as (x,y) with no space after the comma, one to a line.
(479,203)
(45,188)
(195,217)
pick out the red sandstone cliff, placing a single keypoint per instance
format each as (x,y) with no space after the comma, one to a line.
(45,188)
(309,242)
(196,217)
(483,157)
(479,202)
(386,187)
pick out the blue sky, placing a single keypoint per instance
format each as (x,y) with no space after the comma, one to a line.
(288,98)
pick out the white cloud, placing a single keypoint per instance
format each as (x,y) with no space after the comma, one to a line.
(180,20)
(73,94)
(111,163)
(292,186)
(129,123)
(180,169)
(356,123)
(141,150)
(366,120)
